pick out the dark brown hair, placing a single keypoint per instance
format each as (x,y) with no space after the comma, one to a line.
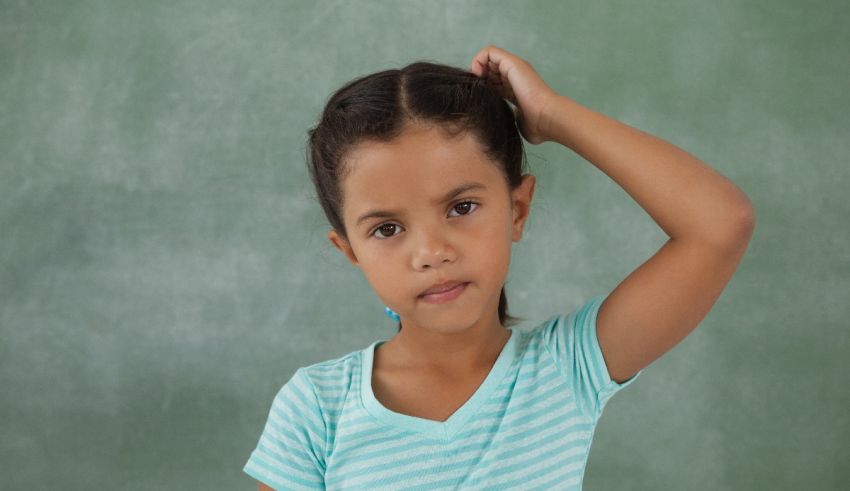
(377,107)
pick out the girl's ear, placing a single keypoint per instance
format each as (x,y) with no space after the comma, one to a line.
(521,198)
(342,244)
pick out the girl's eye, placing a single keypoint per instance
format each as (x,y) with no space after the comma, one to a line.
(466,206)
(383,228)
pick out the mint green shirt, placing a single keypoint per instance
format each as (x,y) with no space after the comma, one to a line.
(529,425)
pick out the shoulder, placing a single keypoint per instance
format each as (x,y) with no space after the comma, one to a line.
(337,369)
(323,383)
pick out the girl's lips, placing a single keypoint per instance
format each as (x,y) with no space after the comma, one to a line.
(445,296)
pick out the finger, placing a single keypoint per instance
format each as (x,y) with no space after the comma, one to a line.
(494,76)
(481,61)
(478,68)
(491,53)
(499,79)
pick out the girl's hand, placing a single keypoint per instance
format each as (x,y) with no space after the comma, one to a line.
(517,81)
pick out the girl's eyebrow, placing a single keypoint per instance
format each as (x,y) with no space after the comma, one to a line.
(466,186)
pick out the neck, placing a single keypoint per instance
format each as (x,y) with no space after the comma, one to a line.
(469,350)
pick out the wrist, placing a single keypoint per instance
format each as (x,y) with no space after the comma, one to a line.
(561,120)
(550,108)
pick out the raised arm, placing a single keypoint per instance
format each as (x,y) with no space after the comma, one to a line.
(709,220)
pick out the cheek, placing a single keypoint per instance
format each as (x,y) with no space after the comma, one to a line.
(380,270)
(493,248)
(385,269)
(497,256)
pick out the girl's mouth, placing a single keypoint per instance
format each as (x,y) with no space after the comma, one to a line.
(445,296)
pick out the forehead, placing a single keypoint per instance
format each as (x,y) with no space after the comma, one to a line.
(420,164)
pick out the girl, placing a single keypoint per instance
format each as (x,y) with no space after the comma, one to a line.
(419,171)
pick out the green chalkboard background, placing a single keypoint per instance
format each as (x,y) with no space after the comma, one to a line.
(164,266)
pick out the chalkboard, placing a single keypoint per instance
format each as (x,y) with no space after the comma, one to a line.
(164,264)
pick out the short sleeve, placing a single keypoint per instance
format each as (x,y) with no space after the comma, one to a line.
(572,341)
(290,452)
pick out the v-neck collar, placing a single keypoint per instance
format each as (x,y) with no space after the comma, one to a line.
(444,430)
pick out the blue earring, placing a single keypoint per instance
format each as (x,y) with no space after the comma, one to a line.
(392,315)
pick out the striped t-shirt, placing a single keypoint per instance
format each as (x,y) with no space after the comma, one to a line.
(529,425)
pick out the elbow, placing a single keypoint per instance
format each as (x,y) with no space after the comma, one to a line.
(742,224)
(747,218)
(733,229)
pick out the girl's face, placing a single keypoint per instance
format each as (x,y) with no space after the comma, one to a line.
(426,209)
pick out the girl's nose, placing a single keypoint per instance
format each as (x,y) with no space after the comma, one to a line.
(432,250)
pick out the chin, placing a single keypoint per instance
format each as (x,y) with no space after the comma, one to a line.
(449,321)
(449,328)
